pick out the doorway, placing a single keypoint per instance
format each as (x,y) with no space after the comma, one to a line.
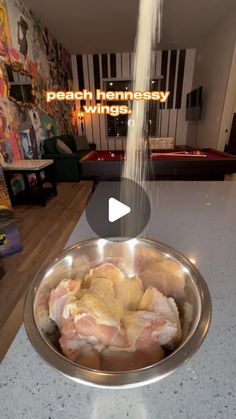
(229,110)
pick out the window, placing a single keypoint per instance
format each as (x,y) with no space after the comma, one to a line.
(117,126)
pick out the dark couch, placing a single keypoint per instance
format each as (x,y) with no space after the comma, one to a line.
(67,166)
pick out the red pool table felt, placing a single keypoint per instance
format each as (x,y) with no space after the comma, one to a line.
(211,154)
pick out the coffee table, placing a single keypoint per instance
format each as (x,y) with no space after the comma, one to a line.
(36,167)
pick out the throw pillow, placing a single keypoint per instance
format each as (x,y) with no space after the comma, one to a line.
(81,142)
(62,147)
(50,146)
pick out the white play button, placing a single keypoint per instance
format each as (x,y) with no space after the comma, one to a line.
(117,210)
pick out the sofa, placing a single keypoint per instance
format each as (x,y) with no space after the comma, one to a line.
(67,167)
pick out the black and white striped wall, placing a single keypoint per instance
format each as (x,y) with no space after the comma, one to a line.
(176,68)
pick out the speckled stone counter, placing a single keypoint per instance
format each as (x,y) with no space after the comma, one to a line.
(199,219)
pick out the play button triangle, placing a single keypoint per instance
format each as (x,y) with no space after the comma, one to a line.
(117,210)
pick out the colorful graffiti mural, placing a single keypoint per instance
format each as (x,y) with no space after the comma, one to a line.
(5,37)
(24,39)
(9,130)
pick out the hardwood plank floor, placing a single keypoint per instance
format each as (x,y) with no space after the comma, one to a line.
(44,232)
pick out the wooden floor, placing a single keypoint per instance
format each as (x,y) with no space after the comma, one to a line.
(44,232)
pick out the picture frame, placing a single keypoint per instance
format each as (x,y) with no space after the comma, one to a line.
(16,67)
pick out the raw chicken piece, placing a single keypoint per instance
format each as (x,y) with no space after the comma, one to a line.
(145,258)
(71,348)
(97,315)
(76,348)
(126,361)
(129,292)
(42,312)
(167,276)
(121,263)
(144,327)
(68,328)
(84,329)
(109,271)
(66,290)
(101,335)
(105,271)
(154,301)
(99,300)
(70,342)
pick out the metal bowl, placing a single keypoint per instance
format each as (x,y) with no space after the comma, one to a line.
(183,282)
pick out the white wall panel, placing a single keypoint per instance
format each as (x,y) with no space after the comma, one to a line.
(95,118)
(125,65)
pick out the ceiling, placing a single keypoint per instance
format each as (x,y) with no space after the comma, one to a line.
(95,26)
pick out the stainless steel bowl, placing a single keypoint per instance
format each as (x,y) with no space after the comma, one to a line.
(192,297)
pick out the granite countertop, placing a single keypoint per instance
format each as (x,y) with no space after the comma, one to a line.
(199,219)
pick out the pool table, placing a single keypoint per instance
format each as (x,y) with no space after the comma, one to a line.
(188,164)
